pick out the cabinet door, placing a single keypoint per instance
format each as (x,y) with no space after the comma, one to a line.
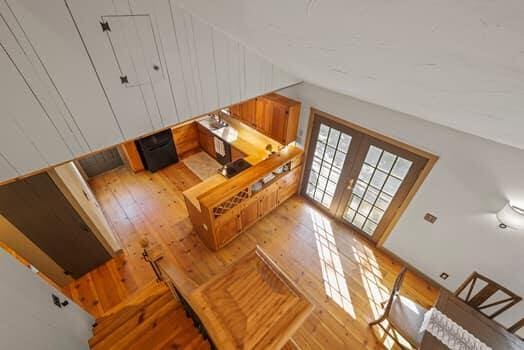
(206,141)
(279,123)
(264,116)
(288,185)
(247,112)
(249,214)
(235,111)
(229,226)
(268,200)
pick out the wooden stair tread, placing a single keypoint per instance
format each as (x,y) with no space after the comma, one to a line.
(156,334)
(139,297)
(291,345)
(150,319)
(113,332)
(127,320)
(118,318)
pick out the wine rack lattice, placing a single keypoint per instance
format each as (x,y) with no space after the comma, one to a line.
(222,208)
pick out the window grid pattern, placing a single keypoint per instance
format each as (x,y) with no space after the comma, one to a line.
(330,154)
(379,180)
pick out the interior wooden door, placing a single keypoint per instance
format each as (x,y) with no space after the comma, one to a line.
(41,212)
(356,177)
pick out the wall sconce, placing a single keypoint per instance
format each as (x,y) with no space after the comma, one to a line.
(511,216)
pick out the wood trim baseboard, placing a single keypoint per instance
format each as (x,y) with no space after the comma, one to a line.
(412,268)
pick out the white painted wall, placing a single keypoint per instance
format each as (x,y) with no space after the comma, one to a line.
(29,319)
(61,94)
(469,184)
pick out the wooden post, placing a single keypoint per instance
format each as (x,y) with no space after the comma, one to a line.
(152,256)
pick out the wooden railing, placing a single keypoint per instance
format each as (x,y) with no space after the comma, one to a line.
(179,285)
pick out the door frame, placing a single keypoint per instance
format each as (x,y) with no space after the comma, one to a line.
(430,158)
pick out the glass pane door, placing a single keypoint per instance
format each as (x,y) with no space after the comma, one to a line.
(357,176)
(329,155)
(378,181)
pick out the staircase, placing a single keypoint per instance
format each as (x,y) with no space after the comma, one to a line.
(150,319)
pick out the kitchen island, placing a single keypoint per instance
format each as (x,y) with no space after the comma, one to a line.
(221,208)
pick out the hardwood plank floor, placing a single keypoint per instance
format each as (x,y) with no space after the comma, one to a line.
(342,274)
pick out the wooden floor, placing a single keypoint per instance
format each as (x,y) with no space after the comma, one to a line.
(343,275)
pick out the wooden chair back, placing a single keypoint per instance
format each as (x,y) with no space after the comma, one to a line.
(517,326)
(394,292)
(482,300)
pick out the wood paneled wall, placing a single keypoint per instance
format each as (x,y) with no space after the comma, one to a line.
(62,94)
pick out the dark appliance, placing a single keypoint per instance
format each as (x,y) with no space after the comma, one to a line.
(157,151)
(235,168)
(226,158)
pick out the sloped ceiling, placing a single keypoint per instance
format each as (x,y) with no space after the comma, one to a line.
(456,63)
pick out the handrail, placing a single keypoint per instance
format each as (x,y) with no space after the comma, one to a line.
(176,280)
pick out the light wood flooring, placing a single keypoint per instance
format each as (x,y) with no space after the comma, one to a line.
(343,275)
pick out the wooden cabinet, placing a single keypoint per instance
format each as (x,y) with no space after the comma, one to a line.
(206,141)
(288,185)
(227,227)
(249,214)
(279,124)
(268,200)
(264,116)
(235,111)
(273,115)
(247,112)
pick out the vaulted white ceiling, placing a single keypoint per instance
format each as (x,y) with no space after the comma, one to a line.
(456,63)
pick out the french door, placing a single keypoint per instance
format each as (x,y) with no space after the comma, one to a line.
(359,178)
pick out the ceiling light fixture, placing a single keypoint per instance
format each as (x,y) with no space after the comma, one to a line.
(511,216)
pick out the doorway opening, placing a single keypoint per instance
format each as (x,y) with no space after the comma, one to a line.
(362,178)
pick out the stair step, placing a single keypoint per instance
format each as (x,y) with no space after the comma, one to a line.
(291,345)
(173,333)
(129,322)
(125,313)
(152,331)
(137,298)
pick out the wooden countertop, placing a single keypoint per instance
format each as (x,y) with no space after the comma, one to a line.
(247,177)
(251,305)
(246,140)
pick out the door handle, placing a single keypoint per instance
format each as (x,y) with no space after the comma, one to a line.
(350,184)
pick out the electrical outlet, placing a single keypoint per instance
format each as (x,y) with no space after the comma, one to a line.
(430,218)
(444,276)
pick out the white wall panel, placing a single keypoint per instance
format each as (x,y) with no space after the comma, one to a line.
(236,70)
(22,52)
(114,54)
(50,29)
(62,94)
(221,56)
(189,74)
(26,130)
(253,74)
(203,36)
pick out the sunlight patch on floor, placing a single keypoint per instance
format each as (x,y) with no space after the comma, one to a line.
(335,283)
(376,291)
